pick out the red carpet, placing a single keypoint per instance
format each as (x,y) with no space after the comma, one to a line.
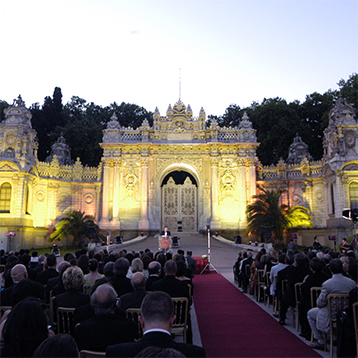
(231,325)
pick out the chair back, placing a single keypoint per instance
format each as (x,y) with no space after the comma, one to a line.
(181,309)
(297,299)
(298,292)
(315,292)
(267,290)
(91,354)
(65,320)
(51,309)
(336,302)
(355,319)
(133,314)
(87,288)
(283,286)
(3,309)
(261,277)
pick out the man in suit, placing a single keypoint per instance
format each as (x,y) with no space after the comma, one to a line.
(154,269)
(119,281)
(18,273)
(106,328)
(191,262)
(274,271)
(51,271)
(157,317)
(247,261)
(41,262)
(134,299)
(295,273)
(318,317)
(170,284)
(165,232)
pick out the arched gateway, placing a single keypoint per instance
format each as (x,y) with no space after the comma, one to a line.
(178,173)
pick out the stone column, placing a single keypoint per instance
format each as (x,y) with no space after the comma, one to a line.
(215,223)
(116,182)
(105,192)
(242,191)
(144,222)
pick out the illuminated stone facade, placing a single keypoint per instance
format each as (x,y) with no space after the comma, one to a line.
(221,161)
(179,172)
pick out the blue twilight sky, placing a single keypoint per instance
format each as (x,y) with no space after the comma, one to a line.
(229,51)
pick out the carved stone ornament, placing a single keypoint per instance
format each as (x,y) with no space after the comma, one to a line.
(113,123)
(350,139)
(298,151)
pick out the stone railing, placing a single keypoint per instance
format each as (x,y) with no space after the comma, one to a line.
(283,171)
(74,172)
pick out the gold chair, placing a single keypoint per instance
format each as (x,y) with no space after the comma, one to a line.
(315,292)
(294,310)
(261,283)
(181,309)
(336,303)
(267,291)
(65,320)
(3,309)
(355,319)
(51,310)
(275,300)
(91,354)
(87,288)
(133,314)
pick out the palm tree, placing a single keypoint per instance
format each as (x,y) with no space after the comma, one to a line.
(75,224)
(267,212)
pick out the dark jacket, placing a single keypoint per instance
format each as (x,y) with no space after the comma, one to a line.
(132,299)
(121,284)
(157,339)
(172,286)
(100,331)
(44,276)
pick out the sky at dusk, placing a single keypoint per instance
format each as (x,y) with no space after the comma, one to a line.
(229,51)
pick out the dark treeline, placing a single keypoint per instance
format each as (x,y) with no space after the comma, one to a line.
(275,120)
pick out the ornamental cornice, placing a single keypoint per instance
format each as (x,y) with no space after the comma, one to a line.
(197,163)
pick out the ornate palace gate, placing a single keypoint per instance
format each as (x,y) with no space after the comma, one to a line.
(179,206)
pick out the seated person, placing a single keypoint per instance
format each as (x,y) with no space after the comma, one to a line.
(93,274)
(157,317)
(134,299)
(106,328)
(346,246)
(60,345)
(73,297)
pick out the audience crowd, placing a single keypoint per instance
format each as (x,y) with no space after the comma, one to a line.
(98,287)
(333,272)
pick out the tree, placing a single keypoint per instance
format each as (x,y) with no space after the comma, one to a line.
(349,89)
(313,114)
(45,120)
(3,106)
(276,123)
(75,224)
(267,212)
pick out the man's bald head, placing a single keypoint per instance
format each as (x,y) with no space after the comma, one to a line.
(154,268)
(103,300)
(138,281)
(170,268)
(18,273)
